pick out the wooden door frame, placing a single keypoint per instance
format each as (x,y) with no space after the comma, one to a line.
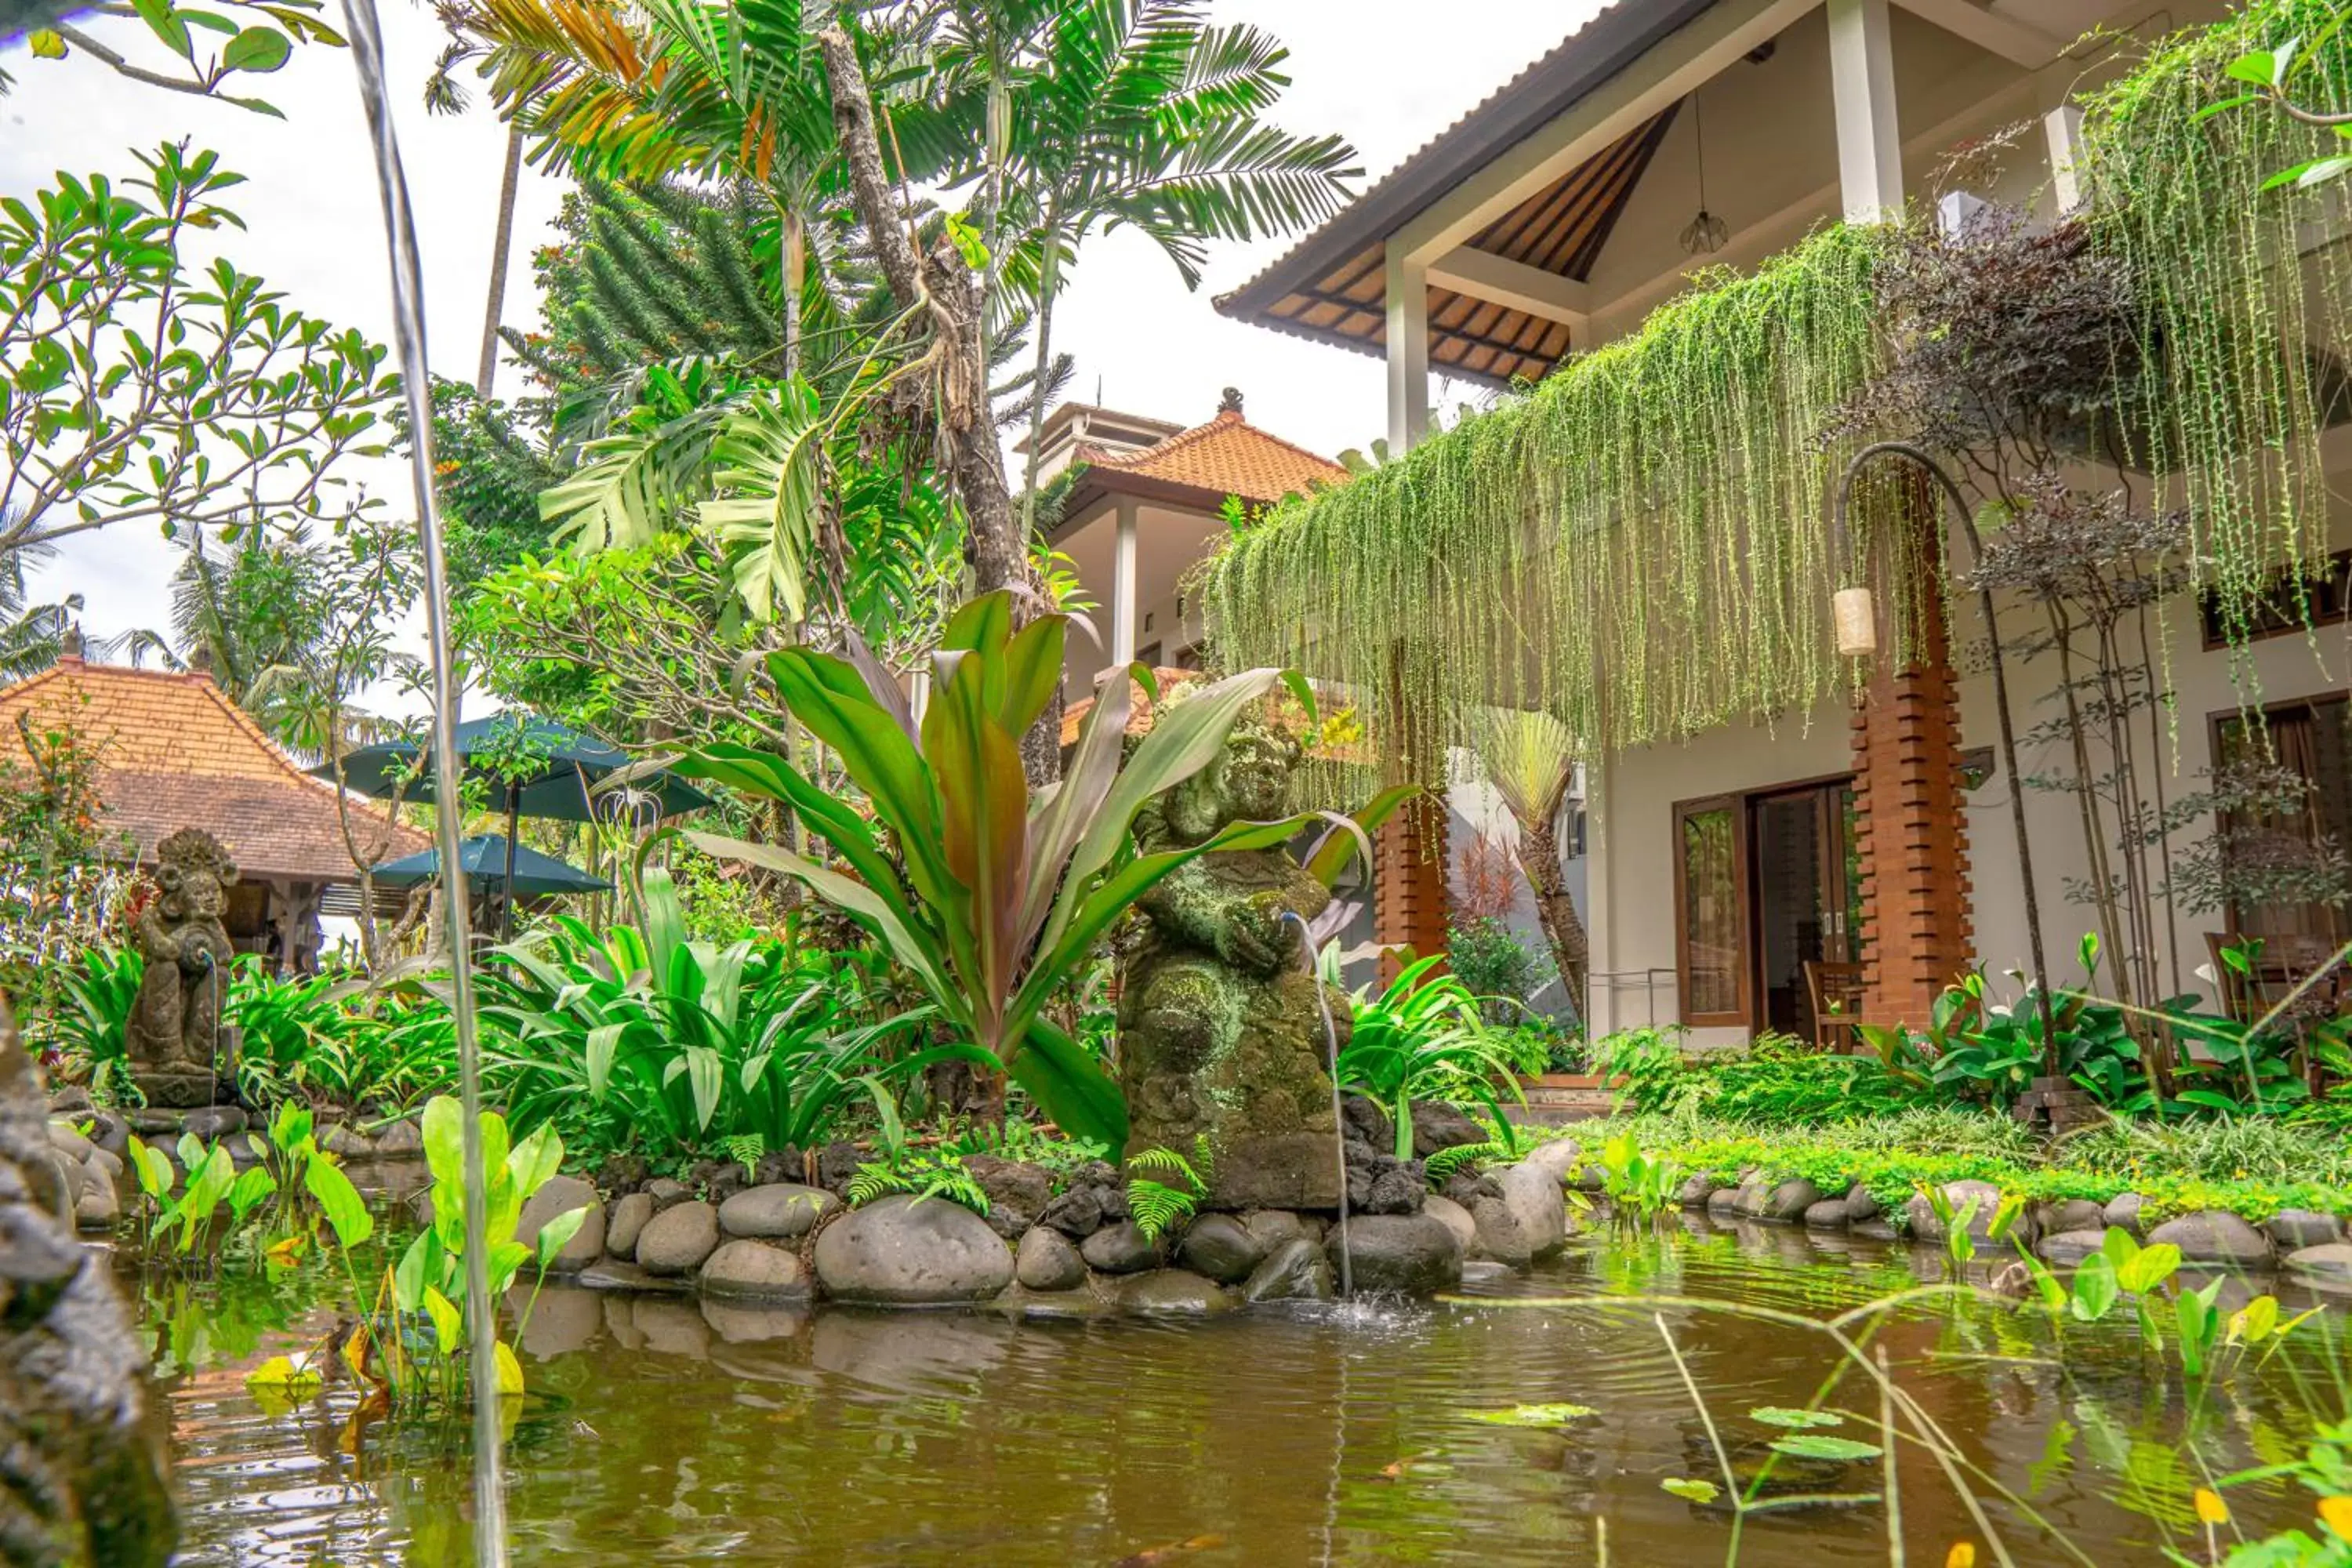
(2217,723)
(1741,804)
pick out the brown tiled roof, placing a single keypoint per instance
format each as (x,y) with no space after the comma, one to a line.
(1139,718)
(174,752)
(1227,457)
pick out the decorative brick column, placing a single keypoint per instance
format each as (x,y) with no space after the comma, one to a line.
(1911,835)
(1409,882)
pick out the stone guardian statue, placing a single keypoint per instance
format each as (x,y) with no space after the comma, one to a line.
(178,1050)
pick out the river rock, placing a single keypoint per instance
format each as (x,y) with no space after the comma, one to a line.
(1456,1218)
(400,1140)
(1861,1203)
(1926,1226)
(2296,1228)
(69,1142)
(1296,1270)
(677,1238)
(2122,1213)
(110,1133)
(1045,1260)
(1018,1192)
(1723,1202)
(1409,1254)
(747,1270)
(667,1193)
(911,1251)
(1695,1191)
(2068,1247)
(1437,1125)
(1830,1214)
(106,1165)
(781,1210)
(1173,1293)
(561,1194)
(1272,1227)
(1497,1234)
(2330,1261)
(98,1207)
(1120,1248)
(2214,1236)
(1535,1202)
(1078,1214)
(2068,1214)
(623,1224)
(1562,1158)
(1782,1203)
(1220,1247)
(348,1143)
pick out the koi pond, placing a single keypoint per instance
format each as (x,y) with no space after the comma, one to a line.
(1530,1418)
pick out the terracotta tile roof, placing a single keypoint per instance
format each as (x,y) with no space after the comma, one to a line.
(1227,457)
(174,752)
(1281,708)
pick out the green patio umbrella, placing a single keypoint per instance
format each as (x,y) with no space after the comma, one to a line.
(534,766)
(498,863)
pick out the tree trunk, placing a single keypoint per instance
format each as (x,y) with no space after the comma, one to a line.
(957,398)
(796,280)
(500,245)
(1562,926)
(1048,279)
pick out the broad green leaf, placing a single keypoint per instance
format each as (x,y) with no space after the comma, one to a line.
(1692,1490)
(445,1140)
(1558,1415)
(285,1375)
(2095,1288)
(1070,1086)
(249,1189)
(257,49)
(341,1202)
(2150,1268)
(448,1323)
(511,1383)
(412,1274)
(557,1234)
(1794,1420)
(536,1159)
(1814,1445)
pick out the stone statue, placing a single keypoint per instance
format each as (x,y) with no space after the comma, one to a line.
(85,1480)
(1220,1027)
(178,1050)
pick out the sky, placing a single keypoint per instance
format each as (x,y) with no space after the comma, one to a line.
(314,230)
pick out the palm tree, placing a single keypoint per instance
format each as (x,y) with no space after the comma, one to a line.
(1530,761)
(32,637)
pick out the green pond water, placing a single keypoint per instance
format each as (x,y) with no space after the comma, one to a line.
(663,1431)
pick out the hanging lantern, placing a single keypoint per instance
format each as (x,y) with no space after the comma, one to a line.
(1856,618)
(1706,233)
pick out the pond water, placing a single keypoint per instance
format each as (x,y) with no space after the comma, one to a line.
(661,1431)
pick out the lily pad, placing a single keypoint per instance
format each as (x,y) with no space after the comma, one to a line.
(1692,1490)
(1794,1420)
(1536,1415)
(1812,1445)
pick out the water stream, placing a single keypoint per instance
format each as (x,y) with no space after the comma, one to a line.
(1338,1120)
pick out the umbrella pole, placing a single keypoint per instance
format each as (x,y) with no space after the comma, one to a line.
(506,888)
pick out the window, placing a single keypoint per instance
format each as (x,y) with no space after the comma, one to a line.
(2322,600)
(2313,737)
(1711,929)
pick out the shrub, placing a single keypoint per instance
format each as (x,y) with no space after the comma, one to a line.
(1486,955)
(1424,1037)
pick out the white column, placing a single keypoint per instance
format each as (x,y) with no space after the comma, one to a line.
(1408,353)
(1124,613)
(1861,84)
(2063,127)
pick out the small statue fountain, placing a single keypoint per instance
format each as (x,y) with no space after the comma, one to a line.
(179,1052)
(1221,1029)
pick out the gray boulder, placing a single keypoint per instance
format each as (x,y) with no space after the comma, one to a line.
(1861,1203)
(1296,1270)
(1560,1158)
(1456,1218)
(666,1192)
(99,1208)
(1925,1227)
(1782,1203)
(348,1143)
(1173,1293)
(1407,1254)
(1045,1260)
(1830,1214)
(779,1210)
(2295,1228)
(1497,1236)
(1078,1214)
(2214,1236)
(2330,1261)
(1695,1191)
(1120,1248)
(1272,1227)
(402,1140)
(911,1251)
(1018,1192)
(560,1195)
(623,1224)
(1534,1200)
(2068,1247)
(754,1270)
(677,1238)
(2122,1213)
(1220,1247)
(1437,1125)
(69,1142)
(2069,1214)
(1723,1202)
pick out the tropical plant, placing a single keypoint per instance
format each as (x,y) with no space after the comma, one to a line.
(921,1173)
(1424,1037)
(274,1206)
(238,409)
(257,37)
(642,1037)
(1529,759)
(1638,1186)
(1486,955)
(88,1025)
(990,894)
(1157,1206)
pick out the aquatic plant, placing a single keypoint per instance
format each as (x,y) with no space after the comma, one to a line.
(273,1208)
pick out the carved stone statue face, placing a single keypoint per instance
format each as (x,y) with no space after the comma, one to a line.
(1249,782)
(194,874)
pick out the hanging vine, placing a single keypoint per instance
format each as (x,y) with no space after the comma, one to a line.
(1638,546)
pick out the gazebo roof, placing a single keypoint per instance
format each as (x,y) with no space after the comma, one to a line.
(1201,467)
(172,751)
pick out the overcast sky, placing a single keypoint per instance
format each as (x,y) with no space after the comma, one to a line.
(314,230)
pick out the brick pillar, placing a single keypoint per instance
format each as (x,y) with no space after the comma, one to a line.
(1911,836)
(1409,882)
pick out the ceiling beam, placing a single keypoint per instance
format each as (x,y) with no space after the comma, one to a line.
(2013,40)
(1498,280)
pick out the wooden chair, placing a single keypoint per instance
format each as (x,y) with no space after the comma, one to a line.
(1835,992)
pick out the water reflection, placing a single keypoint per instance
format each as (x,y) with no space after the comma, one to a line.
(666,1430)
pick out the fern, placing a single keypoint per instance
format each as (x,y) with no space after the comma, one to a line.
(924,1177)
(744,1149)
(1155,1206)
(1444,1163)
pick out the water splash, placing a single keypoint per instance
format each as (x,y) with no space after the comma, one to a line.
(1338,1123)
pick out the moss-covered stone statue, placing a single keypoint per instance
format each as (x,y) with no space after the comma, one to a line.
(177,1049)
(1220,1028)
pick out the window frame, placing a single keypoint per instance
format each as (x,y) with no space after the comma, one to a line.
(1734,805)
(2217,724)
